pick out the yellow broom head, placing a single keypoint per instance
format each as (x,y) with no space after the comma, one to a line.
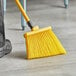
(42,43)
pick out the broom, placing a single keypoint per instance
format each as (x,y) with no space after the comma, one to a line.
(40,42)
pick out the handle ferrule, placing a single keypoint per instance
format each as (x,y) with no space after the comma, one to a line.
(29,24)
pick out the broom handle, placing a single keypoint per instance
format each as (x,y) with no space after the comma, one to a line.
(24,13)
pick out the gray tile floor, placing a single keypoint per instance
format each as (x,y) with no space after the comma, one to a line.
(42,13)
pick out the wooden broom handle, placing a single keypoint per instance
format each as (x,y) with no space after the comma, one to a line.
(24,13)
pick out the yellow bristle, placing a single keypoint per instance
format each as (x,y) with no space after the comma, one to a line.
(43,43)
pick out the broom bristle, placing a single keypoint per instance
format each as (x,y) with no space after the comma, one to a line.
(43,44)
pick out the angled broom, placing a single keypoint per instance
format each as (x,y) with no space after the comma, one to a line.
(40,42)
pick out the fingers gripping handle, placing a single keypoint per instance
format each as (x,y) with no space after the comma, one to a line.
(23,13)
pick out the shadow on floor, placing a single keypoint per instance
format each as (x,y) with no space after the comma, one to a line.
(57,6)
(17,55)
(15,29)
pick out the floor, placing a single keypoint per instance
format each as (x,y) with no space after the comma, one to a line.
(42,13)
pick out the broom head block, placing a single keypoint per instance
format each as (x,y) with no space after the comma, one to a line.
(42,43)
